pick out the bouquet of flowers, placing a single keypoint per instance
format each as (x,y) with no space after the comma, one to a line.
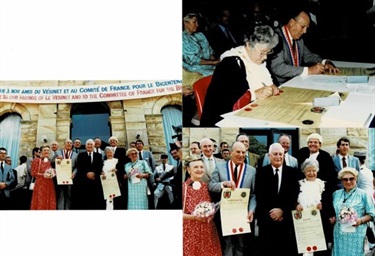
(49,173)
(133,171)
(347,218)
(205,209)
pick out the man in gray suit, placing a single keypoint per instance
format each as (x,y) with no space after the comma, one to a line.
(289,160)
(64,192)
(243,176)
(294,58)
(343,159)
(209,161)
(7,179)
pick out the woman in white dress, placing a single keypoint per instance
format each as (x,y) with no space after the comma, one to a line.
(109,168)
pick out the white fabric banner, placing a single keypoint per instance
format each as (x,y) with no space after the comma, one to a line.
(89,93)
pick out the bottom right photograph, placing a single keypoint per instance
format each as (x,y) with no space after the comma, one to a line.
(278,191)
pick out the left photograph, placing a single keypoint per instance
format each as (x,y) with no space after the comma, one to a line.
(90,145)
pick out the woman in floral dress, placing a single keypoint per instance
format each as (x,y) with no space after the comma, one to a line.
(137,172)
(353,206)
(200,236)
(44,197)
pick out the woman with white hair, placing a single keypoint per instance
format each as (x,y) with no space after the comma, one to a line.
(353,208)
(313,194)
(137,172)
(326,172)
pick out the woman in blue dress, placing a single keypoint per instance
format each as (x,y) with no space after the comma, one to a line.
(353,208)
(137,172)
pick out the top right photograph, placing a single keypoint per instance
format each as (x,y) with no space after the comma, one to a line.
(307,64)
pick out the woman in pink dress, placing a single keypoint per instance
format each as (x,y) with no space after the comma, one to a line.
(44,197)
(199,233)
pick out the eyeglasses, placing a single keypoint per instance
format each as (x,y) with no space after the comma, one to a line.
(348,179)
(263,53)
(133,154)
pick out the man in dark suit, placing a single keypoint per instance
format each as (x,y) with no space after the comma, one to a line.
(244,177)
(221,37)
(64,192)
(276,189)
(326,172)
(120,153)
(7,179)
(87,185)
(294,58)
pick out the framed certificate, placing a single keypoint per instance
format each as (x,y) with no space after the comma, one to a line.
(234,211)
(64,171)
(110,185)
(309,230)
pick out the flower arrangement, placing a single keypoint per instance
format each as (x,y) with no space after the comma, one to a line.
(205,209)
(348,215)
(133,171)
(49,173)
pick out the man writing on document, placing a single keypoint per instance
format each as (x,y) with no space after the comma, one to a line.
(294,58)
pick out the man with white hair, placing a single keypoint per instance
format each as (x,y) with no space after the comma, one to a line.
(63,192)
(233,174)
(88,191)
(209,161)
(276,189)
(120,153)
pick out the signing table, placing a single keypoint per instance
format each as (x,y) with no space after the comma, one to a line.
(294,106)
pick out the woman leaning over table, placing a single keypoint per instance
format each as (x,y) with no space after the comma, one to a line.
(350,240)
(200,236)
(137,172)
(241,69)
(44,197)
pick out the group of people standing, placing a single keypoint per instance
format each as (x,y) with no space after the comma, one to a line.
(313,178)
(142,185)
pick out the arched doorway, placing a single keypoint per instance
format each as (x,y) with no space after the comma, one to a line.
(10,134)
(90,120)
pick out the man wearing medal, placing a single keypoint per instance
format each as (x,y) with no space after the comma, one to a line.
(234,174)
(63,192)
(295,58)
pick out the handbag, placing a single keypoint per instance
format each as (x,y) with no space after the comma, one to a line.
(370,234)
(32,183)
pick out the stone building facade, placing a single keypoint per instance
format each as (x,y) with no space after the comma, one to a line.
(127,118)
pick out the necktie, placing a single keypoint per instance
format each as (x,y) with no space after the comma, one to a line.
(2,167)
(90,155)
(229,36)
(235,174)
(140,155)
(247,160)
(66,154)
(163,167)
(344,162)
(294,45)
(276,178)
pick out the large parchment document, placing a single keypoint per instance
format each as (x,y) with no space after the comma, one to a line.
(355,71)
(64,171)
(293,106)
(234,210)
(110,185)
(309,230)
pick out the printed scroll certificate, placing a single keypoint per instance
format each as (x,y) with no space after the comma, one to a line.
(110,185)
(309,230)
(234,210)
(64,171)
